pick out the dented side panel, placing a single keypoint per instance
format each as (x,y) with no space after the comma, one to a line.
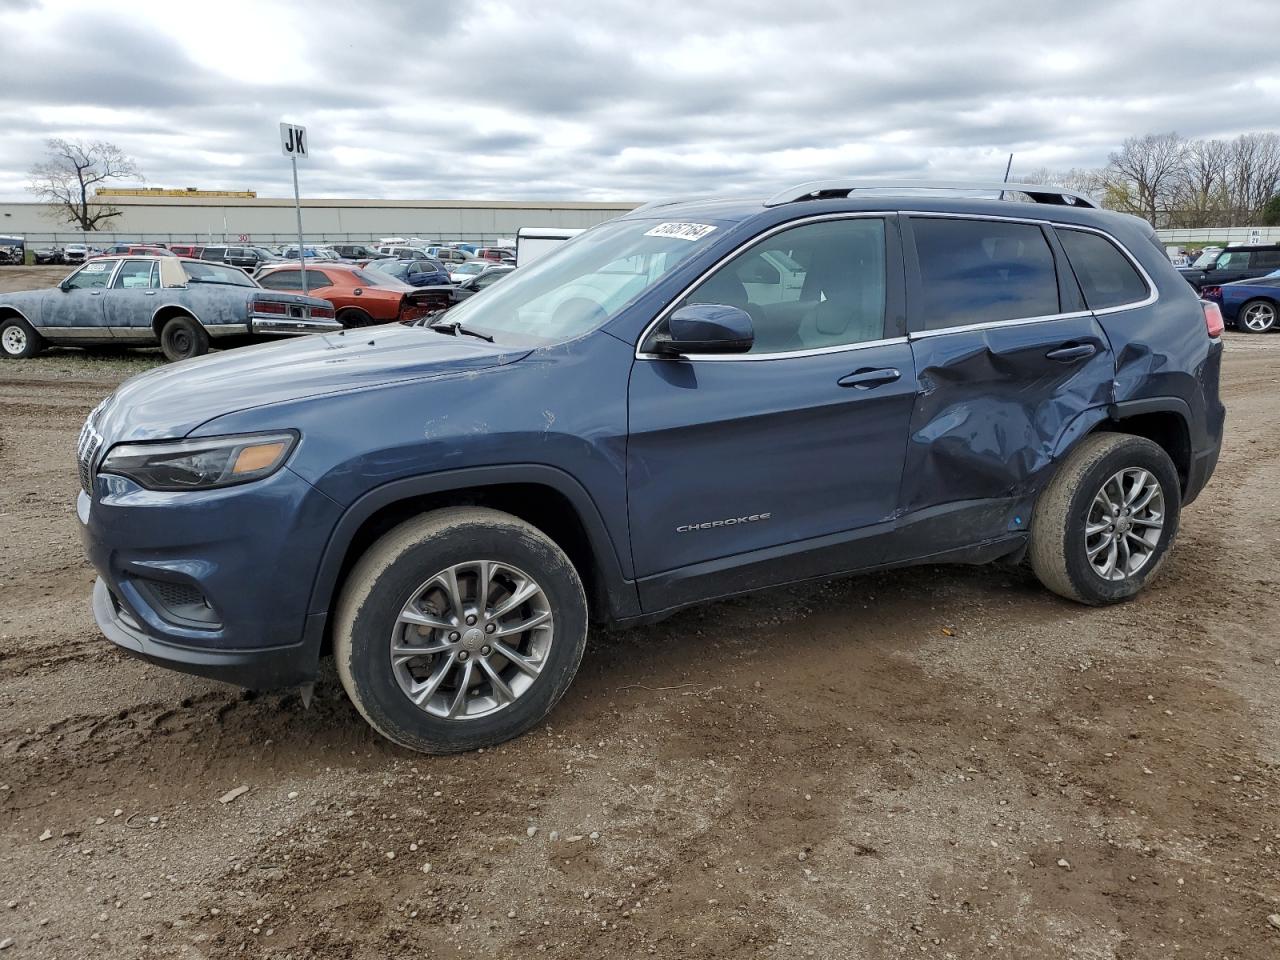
(993,408)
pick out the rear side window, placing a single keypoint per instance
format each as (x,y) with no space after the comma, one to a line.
(1266,259)
(1106,276)
(981,271)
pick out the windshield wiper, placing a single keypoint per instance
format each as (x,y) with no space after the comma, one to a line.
(455,327)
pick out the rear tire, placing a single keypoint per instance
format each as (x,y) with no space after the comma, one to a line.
(182,337)
(354,317)
(485,674)
(1257,316)
(1101,532)
(18,341)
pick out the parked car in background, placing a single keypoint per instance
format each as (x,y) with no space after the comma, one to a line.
(186,250)
(497,254)
(75,252)
(354,251)
(1235,263)
(449,256)
(416,273)
(13,249)
(249,259)
(1251,306)
(360,296)
(402,252)
(138,301)
(462,271)
(135,249)
(48,255)
(309,252)
(470,286)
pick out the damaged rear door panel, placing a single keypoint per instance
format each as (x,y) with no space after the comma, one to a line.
(1010,366)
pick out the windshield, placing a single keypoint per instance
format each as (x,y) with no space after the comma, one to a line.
(584,282)
(212,273)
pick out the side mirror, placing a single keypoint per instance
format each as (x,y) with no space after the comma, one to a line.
(707,328)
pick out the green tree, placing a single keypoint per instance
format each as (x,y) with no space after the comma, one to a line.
(1271,212)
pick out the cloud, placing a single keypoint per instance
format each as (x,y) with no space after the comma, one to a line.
(588,100)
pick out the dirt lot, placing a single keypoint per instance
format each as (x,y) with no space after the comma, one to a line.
(941,762)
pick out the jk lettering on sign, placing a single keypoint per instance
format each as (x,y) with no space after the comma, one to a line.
(293,140)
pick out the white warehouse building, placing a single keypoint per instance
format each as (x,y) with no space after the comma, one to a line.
(269,220)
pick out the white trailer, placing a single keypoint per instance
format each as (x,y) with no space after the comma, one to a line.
(533,242)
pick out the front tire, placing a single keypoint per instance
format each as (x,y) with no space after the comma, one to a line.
(1257,316)
(182,337)
(1103,526)
(18,341)
(459,629)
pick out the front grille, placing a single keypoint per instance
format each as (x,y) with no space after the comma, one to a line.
(87,447)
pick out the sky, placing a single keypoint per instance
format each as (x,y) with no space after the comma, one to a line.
(610,100)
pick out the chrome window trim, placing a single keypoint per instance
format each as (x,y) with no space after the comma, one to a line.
(784,355)
(1153,292)
(742,248)
(989,324)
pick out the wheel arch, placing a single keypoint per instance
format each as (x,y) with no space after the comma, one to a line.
(8,311)
(543,496)
(1165,421)
(167,312)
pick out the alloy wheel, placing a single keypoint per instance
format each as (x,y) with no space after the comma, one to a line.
(1259,317)
(472,640)
(1124,524)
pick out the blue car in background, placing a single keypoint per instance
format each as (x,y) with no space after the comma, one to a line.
(416,273)
(1252,306)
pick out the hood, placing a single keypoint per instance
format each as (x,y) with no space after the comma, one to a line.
(173,400)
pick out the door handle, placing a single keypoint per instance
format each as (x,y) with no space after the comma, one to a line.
(867,378)
(148,293)
(95,293)
(1070,353)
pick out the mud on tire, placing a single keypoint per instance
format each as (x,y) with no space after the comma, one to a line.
(406,574)
(1070,534)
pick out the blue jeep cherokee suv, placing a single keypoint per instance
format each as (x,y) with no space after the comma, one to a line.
(692,401)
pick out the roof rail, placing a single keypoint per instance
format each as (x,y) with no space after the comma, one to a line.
(825,189)
(665,202)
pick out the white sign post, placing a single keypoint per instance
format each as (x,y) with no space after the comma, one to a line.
(293,144)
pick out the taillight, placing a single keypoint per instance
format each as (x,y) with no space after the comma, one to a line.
(1211,293)
(325,312)
(270,306)
(1212,318)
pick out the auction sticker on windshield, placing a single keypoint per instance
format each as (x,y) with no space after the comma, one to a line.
(681,231)
(96,267)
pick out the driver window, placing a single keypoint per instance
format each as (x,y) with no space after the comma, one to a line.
(813,286)
(92,276)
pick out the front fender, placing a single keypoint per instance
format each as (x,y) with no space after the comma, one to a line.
(619,593)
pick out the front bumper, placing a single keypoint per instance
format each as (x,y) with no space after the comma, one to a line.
(216,583)
(260,669)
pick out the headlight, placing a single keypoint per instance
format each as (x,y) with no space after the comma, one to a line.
(200,464)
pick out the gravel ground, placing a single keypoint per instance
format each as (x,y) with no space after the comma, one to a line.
(940,762)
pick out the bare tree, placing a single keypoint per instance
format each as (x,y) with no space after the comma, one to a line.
(67,176)
(1253,174)
(1200,197)
(1143,175)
